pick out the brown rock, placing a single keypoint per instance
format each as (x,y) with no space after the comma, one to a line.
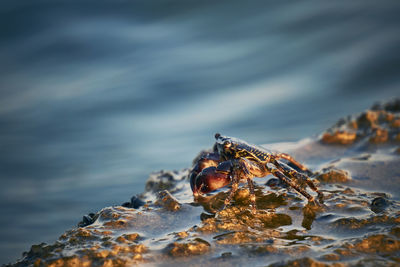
(368,119)
(380,135)
(395,123)
(331,257)
(339,137)
(377,244)
(165,199)
(395,231)
(305,262)
(333,175)
(187,249)
(376,125)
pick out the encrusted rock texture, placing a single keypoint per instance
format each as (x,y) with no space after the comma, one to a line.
(379,124)
(356,164)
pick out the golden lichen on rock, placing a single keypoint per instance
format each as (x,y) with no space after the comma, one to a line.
(378,125)
(339,137)
(380,243)
(177,249)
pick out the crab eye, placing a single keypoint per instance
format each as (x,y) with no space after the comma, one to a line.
(227,144)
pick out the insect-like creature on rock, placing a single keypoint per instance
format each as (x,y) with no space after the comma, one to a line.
(233,160)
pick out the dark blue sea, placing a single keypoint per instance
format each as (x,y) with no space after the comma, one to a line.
(96,95)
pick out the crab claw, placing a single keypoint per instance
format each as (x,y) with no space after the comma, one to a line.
(205,161)
(208,180)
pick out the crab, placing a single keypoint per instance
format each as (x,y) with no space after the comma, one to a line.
(234,160)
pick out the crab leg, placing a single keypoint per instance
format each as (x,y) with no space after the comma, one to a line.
(252,195)
(287,170)
(235,185)
(277,173)
(243,167)
(292,160)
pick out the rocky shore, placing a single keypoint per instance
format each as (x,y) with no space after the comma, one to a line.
(356,164)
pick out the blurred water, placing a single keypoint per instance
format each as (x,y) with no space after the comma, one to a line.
(95,95)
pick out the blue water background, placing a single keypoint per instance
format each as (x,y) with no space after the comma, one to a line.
(95,95)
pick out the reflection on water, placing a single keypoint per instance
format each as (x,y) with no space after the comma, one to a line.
(94,98)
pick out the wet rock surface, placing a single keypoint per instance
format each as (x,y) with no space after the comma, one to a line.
(333,175)
(358,224)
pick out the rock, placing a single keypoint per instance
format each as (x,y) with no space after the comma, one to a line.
(196,247)
(165,180)
(379,135)
(331,257)
(333,175)
(395,231)
(88,220)
(379,204)
(374,244)
(165,199)
(339,137)
(304,262)
(378,125)
(351,223)
(135,203)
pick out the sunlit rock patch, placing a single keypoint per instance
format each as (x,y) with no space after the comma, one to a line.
(380,124)
(91,245)
(358,224)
